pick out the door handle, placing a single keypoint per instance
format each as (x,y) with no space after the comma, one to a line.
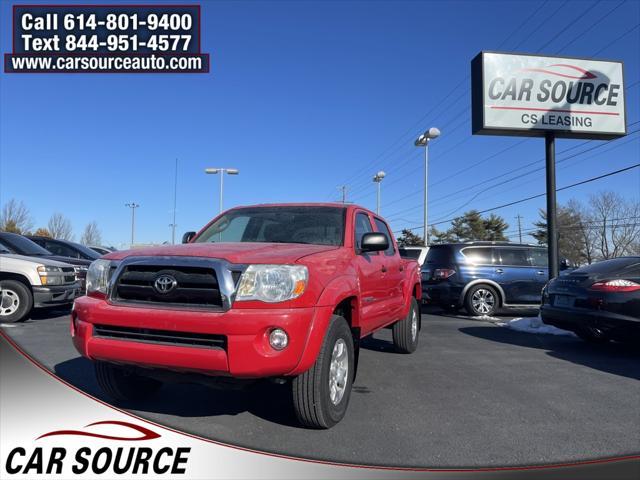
(541,272)
(384,269)
(499,270)
(401,268)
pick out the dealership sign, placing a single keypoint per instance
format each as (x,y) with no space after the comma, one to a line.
(515,94)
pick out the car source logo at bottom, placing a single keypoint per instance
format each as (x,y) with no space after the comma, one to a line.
(165,284)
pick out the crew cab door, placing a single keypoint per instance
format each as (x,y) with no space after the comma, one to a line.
(393,275)
(371,277)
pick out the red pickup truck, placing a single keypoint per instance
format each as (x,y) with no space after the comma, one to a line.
(269,291)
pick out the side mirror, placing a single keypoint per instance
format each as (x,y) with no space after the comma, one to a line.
(565,264)
(374,242)
(187,237)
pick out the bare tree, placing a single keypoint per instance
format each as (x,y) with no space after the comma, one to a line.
(15,217)
(616,224)
(91,235)
(60,227)
(583,226)
(42,232)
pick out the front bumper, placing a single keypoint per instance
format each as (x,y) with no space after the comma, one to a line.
(246,352)
(611,324)
(55,295)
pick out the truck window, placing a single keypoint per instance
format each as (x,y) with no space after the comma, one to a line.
(382,228)
(363,225)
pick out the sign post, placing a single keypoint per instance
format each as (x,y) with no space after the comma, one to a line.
(551,97)
(552,217)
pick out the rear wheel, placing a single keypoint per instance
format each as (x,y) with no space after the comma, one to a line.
(16,301)
(481,300)
(122,384)
(321,394)
(405,332)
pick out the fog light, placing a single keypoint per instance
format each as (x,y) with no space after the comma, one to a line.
(278,339)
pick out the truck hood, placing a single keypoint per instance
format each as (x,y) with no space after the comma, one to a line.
(237,252)
(35,260)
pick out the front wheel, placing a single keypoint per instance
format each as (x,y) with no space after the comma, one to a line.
(405,332)
(592,335)
(321,394)
(16,301)
(123,385)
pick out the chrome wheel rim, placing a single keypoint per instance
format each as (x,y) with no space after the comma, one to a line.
(414,325)
(338,371)
(9,302)
(483,301)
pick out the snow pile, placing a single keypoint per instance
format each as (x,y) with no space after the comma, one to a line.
(534,325)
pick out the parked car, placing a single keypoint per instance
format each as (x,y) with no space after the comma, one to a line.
(599,302)
(269,291)
(102,250)
(28,282)
(484,277)
(419,254)
(65,248)
(23,246)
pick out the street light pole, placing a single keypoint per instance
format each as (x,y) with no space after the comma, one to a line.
(423,141)
(133,207)
(222,171)
(378,179)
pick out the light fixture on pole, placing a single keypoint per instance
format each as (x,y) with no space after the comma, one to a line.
(377,178)
(132,206)
(221,171)
(423,141)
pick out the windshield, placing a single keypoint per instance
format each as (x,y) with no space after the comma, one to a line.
(286,224)
(23,246)
(88,252)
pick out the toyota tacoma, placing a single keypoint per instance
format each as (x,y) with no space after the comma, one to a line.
(269,291)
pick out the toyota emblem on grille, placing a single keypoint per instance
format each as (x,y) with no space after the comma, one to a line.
(165,284)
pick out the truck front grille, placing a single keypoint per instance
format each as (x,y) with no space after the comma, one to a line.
(164,337)
(180,286)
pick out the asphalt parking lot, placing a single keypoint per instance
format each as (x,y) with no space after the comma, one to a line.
(474,394)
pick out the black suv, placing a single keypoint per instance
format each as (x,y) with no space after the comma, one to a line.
(65,248)
(484,276)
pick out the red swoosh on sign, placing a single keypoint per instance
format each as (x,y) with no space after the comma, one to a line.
(585,74)
(146,433)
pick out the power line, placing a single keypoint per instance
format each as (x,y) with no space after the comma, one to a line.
(522,200)
(480,184)
(597,22)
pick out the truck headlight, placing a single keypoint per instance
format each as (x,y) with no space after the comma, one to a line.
(272,283)
(50,275)
(98,276)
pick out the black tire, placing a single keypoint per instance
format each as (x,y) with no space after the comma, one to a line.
(16,301)
(407,331)
(122,384)
(592,336)
(476,306)
(311,392)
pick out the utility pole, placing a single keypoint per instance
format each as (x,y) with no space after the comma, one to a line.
(175,198)
(519,217)
(132,206)
(344,193)
(378,180)
(423,141)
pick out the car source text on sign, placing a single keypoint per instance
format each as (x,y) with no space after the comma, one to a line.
(516,94)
